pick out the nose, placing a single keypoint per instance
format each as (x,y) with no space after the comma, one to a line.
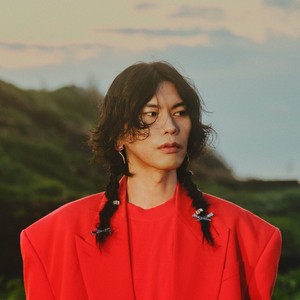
(170,126)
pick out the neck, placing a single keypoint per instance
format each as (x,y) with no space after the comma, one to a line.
(149,191)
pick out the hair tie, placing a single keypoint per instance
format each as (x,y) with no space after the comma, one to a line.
(200,218)
(98,231)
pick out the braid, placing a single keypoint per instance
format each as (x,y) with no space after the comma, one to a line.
(103,230)
(196,195)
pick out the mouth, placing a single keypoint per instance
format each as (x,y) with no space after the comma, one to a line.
(170,147)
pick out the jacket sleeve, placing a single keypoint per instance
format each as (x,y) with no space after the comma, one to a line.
(263,278)
(36,282)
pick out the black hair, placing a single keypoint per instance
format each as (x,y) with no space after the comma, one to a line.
(120,114)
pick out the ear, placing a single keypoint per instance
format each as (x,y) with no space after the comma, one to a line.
(119,145)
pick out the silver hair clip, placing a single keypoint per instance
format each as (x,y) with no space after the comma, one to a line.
(198,211)
(116,202)
(199,218)
(98,231)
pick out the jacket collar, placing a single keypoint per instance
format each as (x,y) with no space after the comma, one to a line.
(113,258)
(192,256)
(185,210)
(195,258)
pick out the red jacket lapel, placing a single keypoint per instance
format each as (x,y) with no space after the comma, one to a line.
(198,266)
(107,271)
(194,260)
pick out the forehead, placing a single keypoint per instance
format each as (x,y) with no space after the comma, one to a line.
(166,93)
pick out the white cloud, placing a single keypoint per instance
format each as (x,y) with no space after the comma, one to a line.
(136,26)
(22,55)
(256,21)
(26,56)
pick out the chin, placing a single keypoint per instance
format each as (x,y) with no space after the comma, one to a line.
(171,166)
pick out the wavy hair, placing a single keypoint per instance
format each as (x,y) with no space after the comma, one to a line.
(120,114)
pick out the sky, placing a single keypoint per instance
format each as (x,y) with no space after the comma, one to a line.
(243,56)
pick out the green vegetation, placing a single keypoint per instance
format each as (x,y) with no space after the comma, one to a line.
(45,162)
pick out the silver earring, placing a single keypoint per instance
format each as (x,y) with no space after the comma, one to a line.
(187,158)
(123,157)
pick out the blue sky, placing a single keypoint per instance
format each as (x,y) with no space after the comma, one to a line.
(243,57)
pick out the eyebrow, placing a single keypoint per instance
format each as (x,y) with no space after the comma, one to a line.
(179,104)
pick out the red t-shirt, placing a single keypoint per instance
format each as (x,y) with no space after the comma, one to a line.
(151,237)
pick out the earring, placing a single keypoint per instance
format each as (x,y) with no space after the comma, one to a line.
(123,157)
(187,159)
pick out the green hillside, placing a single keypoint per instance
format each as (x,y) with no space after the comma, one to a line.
(44,159)
(45,162)
(43,150)
(42,143)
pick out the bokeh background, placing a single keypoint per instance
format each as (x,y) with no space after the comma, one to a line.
(243,57)
(57,59)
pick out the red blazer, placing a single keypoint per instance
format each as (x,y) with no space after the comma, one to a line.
(62,260)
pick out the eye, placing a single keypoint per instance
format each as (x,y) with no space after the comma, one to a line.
(150,113)
(181,113)
(149,117)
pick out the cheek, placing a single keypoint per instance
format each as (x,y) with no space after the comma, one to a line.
(188,128)
(137,147)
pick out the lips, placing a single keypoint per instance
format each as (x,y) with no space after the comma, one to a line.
(170,147)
